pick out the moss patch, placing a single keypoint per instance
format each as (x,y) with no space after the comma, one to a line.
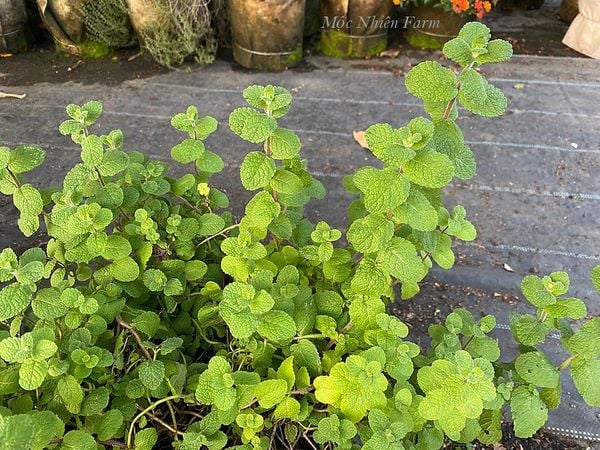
(341,45)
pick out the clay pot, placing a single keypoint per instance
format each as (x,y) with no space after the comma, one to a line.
(63,20)
(354,28)
(431,28)
(15,35)
(146,16)
(267,34)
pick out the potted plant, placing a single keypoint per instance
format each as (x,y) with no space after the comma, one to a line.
(173,31)
(15,35)
(432,23)
(354,28)
(86,28)
(267,34)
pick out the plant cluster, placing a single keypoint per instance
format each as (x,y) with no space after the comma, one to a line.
(151,318)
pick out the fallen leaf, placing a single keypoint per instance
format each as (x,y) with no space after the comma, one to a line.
(5,55)
(507,268)
(359,136)
(519,86)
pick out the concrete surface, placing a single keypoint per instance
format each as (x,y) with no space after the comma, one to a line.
(535,200)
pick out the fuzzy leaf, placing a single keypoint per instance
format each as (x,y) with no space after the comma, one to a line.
(14,299)
(586,373)
(370,234)
(528,410)
(270,392)
(430,169)
(152,374)
(251,125)
(536,369)
(256,171)
(25,158)
(430,81)
(383,190)
(285,144)
(480,97)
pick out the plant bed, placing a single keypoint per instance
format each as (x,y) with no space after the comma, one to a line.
(152,315)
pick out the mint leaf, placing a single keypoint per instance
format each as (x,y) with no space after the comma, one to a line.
(256,171)
(430,169)
(152,374)
(585,373)
(251,125)
(529,412)
(534,290)
(430,81)
(480,97)
(370,234)
(383,190)
(270,392)
(536,369)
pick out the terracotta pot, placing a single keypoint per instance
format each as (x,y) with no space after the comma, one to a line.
(145,16)
(267,34)
(15,35)
(63,20)
(354,28)
(431,28)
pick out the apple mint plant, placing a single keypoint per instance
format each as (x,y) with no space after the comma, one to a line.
(153,319)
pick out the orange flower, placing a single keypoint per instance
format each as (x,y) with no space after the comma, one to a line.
(487,6)
(396,2)
(460,5)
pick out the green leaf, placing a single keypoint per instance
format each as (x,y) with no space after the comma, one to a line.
(534,290)
(47,305)
(430,169)
(370,234)
(25,158)
(188,151)
(443,254)
(417,212)
(110,196)
(210,224)
(586,373)
(256,171)
(332,429)
(152,373)
(277,326)
(215,385)
(145,439)
(536,369)
(480,97)
(28,201)
(430,81)
(286,182)
(116,248)
(251,125)
(586,342)
(455,390)
(528,330)
(306,355)
(78,440)
(383,190)
(270,392)
(14,299)
(289,408)
(285,144)
(498,50)
(595,277)
(448,139)
(354,387)
(572,308)
(401,260)
(109,425)
(113,162)
(125,269)
(32,374)
(16,432)
(92,151)
(147,322)
(71,393)
(529,412)
(370,278)
(235,309)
